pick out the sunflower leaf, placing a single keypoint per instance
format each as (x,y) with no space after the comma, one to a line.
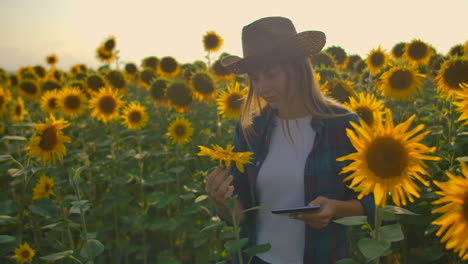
(95,249)
(258,249)
(5,157)
(398,210)
(57,256)
(352,220)
(235,245)
(391,233)
(346,261)
(6,239)
(6,219)
(372,249)
(13,138)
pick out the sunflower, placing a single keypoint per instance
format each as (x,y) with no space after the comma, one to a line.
(466,48)
(180,130)
(203,86)
(26,73)
(104,55)
(220,72)
(5,97)
(109,44)
(131,69)
(150,62)
(105,104)
(322,59)
(339,90)
(398,50)
(179,96)
(94,82)
(352,60)
(158,91)
(147,76)
(457,50)
(44,188)
(387,160)
(40,71)
(226,156)
(50,102)
(377,60)
(52,59)
(50,85)
(72,101)
(48,144)
(365,105)
(400,82)
(29,89)
(230,101)
(168,67)
(418,53)
(17,111)
(461,101)
(55,75)
(454,221)
(326,74)
(212,41)
(77,68)
(134,116)
(24,253)
(338,54)
(117,81)
(453,72)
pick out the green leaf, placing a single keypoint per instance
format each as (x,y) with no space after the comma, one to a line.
(372,249)
(201,198)
(235,245)
(5,219)
(13,138)
(159,179)
(391,233)
(6,239)
(352,220)
(398,210)
(95,249)
(252,208)
(77,205)
(346,261)
(57,256)
(178,169)
(44,207)
(5,157)
(211,226)
(165,200)
(187,196)
(258,249)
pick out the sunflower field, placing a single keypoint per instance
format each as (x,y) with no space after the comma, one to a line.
(107,165)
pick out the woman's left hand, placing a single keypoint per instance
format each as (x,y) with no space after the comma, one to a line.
(321,218)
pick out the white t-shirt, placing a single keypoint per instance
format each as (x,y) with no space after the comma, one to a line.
(280,184)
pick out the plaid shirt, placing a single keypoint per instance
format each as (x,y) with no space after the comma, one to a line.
(321,178)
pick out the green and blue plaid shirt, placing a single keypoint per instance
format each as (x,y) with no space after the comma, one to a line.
(321,178)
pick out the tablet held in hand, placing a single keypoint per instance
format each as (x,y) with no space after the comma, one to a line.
(302,209)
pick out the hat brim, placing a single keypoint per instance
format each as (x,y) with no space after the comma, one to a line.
(301,44)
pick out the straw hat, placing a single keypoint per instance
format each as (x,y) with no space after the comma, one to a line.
(272,39)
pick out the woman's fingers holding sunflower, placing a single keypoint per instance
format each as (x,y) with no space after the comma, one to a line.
(223,187)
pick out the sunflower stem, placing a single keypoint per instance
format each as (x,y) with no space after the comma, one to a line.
(377,223)
(142,190)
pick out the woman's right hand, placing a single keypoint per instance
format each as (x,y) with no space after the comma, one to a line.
(218,186)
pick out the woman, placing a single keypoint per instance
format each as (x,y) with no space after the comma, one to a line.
(296,134)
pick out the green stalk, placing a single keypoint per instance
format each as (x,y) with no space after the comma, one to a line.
(378,224)
(236,232)
(141,167)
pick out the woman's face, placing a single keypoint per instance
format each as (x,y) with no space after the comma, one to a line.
(272,85)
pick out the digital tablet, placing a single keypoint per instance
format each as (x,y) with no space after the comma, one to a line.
(310,208)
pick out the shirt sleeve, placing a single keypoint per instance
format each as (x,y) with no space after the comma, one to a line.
(368,200)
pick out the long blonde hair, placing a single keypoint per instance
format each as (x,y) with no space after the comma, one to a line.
(301,80)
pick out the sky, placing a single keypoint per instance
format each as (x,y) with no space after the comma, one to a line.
(33,29)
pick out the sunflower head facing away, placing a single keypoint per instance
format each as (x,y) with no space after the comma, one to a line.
(338,53)
(457,50)
(48,145)
(461,101)
(158,91)
(168,67)
(106,104)
(150,62)
(179,96)
(400,82)
(452,74)
(180,130)
(220,72)
(44,187)
(454,221)
(134,116)
(387,160)
(365,105)
(212,42)
(203,86)
(230,102)
(24,253)
(377,60)
(418,52)
(398,50)
(72,101)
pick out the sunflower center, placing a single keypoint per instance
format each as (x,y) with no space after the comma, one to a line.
(48,138)
(340,93)
(72,102)
(134,116)
(398,50)
(158,89)
(50,85)
(25,254)
(387,158)
(219,69)
(456,73)
(417,50)
(179,131)
(47,187)
(116,79)
(18,110)
(95,82)
(52,103)
(401,80)
(147,76)
(377,59)
(107,104)
(203,84)
(211,41)
(366,114)
(109,44)
(168,65)
(234,101)
(465,206)
(29,87)
(179,94)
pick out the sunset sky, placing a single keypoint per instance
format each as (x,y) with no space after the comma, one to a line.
(33,29)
